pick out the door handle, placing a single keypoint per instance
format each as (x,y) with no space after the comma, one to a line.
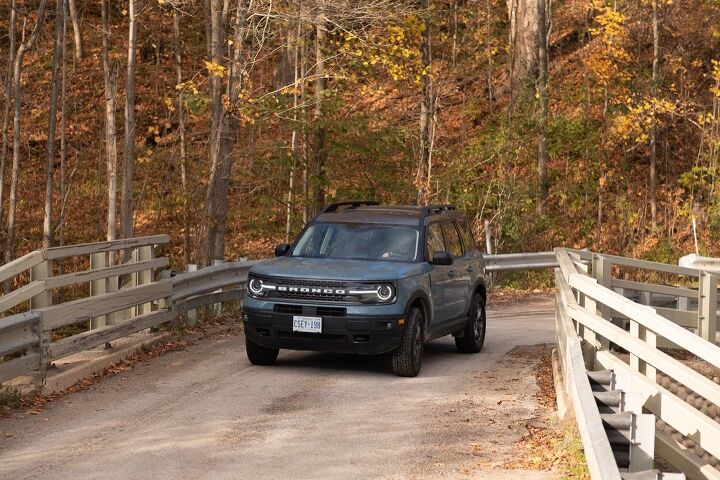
(469,269)
(452,273)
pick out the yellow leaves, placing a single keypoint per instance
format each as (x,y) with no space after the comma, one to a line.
(170,104)
(641,115)
(189,85)
(215,69)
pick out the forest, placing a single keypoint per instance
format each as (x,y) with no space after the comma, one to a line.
(228,124)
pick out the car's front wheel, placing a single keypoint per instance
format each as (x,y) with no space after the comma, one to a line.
(473,336)
(407,359)
(259,355)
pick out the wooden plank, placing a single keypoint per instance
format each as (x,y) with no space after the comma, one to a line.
(565,264)
(99,336)
(90,248)
(86,308)
(654,288)
(19,265)
(654,266)
(19,366)
(107,272)
(668,407)
(42,272)
(209,283)
(679,317)
(22,294)
(647,316)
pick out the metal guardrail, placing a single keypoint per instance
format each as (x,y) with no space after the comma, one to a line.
(512,262)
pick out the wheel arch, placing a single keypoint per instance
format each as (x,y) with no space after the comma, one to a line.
(420,299)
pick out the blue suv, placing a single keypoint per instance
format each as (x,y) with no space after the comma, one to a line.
(369,279)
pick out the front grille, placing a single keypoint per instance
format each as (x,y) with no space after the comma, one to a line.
(318,296)
(292,309)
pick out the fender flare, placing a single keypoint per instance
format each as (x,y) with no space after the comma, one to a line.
(425,302)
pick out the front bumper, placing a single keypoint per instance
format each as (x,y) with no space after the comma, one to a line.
(360,334)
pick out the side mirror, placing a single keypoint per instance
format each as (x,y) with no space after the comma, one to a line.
(442,258)
(281,249)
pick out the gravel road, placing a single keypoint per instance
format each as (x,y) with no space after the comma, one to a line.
(205,412)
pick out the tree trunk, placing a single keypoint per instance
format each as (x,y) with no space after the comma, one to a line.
(77,32)
(524,24)
(654,129)
(22,49)
(52,123)
(426,114)
(126,207)
(293,43)
(224,128)
(63,137)
(320,85)
(181,128)
(543,181)
(8,103)
(111,152)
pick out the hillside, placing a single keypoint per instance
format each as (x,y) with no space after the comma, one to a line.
(484,142)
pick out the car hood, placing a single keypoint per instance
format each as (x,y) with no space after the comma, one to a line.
(336,269)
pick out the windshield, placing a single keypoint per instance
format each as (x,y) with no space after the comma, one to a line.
(358,241)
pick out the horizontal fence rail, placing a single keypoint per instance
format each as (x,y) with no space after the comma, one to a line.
(512,262)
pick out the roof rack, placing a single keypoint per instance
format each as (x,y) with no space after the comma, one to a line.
(334,207)
(431,209)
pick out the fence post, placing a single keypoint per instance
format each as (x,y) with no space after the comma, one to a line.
(144,277)
(192,316)
(601,268)
(43,299)
(98,261)
(707,308)
(217,307)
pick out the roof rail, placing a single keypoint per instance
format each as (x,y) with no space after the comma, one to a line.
(334,207)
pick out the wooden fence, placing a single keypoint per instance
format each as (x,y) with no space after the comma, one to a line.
(125,289)
(688,434)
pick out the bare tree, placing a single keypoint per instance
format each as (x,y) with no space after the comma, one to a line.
(22,49)
(181,128)
(426,111)
(110,81)
(543,181)
(126,206)
(77,33)
(654,129)
(63,136)
(320,86)
(8,102)
(52,122)
(294,47)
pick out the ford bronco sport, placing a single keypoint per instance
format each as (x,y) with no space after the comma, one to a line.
(369,279)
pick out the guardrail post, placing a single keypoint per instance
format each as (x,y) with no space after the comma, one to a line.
(98,261)
(217,307)
(707,309)
(191,315)
(601,268)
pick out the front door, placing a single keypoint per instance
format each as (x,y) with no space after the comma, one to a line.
(458,292)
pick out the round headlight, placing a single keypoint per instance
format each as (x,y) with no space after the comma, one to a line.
(385,292)
(256,286)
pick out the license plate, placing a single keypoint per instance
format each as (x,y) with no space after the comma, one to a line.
(307,324)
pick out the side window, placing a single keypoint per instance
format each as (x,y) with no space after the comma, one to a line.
(452,237)
(467,235)
(434,240)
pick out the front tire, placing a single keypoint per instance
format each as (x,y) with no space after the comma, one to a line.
(473,336)
(259,355)
(407,359)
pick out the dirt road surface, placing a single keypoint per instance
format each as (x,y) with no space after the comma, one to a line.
(205,412)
